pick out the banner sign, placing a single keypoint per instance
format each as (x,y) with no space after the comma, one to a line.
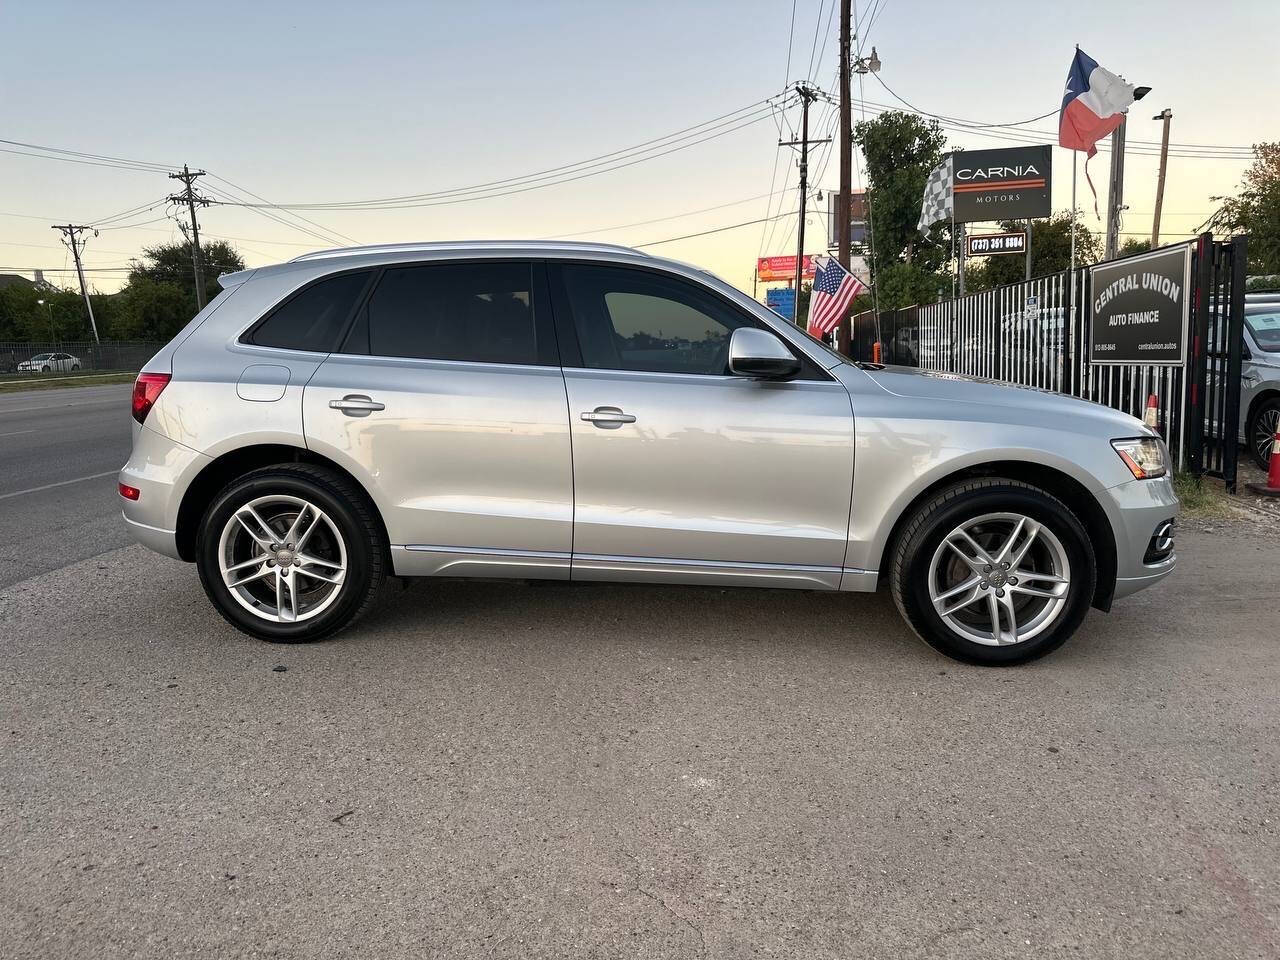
(1009,184)
(1140,307)
(782,301)
(782,268)
(989,244)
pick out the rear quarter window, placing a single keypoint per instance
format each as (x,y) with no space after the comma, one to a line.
(315,317)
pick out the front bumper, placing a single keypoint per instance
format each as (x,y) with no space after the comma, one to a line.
(1137,508)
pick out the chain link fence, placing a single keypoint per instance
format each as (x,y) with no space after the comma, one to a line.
(35,358)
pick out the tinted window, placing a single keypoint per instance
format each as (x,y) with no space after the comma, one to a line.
(1265,327)
(637,320)
(314,318)
(479,312)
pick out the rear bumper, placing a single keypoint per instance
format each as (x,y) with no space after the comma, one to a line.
(154,538)
(162,470)
(1136,509)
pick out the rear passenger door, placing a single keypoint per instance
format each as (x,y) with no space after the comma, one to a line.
(447,400)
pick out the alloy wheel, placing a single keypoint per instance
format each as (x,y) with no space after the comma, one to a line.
(282,558)
(999,579)
(1264,433)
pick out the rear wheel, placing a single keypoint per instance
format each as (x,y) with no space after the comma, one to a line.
(75,366)
(1262,431)
(291,553)
(993,572)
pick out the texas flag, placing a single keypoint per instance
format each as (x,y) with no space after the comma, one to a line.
(1093,104)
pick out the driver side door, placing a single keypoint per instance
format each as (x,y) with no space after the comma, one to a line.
(683,472)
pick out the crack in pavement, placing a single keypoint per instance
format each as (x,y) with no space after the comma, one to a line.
(638,888)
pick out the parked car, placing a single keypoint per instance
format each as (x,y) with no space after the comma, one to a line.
(49,362)
(589,412)
(1260,375)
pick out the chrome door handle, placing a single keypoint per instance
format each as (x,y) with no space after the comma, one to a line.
(356,405)
(607,418)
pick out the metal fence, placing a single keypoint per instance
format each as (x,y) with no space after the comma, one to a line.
(49,358)
(1036,333)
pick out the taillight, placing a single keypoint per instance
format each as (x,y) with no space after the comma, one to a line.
(128,492)
(146,391)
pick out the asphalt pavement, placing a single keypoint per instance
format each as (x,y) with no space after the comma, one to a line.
(60,450)
(483,769)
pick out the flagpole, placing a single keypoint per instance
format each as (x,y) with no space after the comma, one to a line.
(1073,209)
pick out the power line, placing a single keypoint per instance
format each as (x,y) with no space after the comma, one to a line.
(139,164)
(674,216)
(704,233)
(296,216)
(571,172)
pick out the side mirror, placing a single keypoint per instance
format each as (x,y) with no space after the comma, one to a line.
(760,355)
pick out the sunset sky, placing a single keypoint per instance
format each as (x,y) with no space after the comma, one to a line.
(323,102)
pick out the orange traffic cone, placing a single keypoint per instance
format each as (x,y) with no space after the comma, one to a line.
(1272,489)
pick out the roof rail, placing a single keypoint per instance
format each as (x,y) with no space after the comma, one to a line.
(436,246)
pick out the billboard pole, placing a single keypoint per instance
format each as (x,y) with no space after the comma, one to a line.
(1028,248)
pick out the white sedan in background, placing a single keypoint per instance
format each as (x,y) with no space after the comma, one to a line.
(49,362)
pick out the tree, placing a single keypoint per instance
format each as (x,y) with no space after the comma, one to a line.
(1050,253)
(901,150)
(1256,209)
(171,263)
(1133,245)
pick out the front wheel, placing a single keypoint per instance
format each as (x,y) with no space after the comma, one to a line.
(291,553)
(993,572)
(45,369)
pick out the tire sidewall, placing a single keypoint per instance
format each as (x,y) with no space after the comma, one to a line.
(355,584)
(1010,499)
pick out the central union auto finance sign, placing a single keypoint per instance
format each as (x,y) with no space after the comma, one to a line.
(1008,184)
(1140,307)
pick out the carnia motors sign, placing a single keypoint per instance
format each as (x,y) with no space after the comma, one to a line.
(1010,184)
(1140,308)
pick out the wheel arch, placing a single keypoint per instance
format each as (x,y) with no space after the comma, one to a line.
(1062,485)
(222,470)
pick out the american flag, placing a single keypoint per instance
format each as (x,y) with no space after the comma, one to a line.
(834,288)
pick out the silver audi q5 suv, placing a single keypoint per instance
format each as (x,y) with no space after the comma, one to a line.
(588,412)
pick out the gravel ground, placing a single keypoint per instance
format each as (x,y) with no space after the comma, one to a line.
(507,770)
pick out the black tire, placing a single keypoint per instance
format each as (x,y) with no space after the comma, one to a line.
(353,516)
(934,520)
(75,366)
(1260,434)
(45,369)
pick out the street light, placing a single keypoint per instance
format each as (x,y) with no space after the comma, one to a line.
(49,308)
(869,64)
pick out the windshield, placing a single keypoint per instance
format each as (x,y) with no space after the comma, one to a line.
(1265,328)
(43,356)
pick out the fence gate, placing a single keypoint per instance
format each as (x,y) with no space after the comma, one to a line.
(1036,333)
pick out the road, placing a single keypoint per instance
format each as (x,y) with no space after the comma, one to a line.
(503,770)
(59,452)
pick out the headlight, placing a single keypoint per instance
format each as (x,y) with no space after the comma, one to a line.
(1144,457)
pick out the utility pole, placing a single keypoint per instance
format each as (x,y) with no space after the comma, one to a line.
(1166,115)
(191,198)
(1115,195)
(71,234)
(845,198)
(807,95)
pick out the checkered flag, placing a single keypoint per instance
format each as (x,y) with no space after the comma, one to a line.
(937,197)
